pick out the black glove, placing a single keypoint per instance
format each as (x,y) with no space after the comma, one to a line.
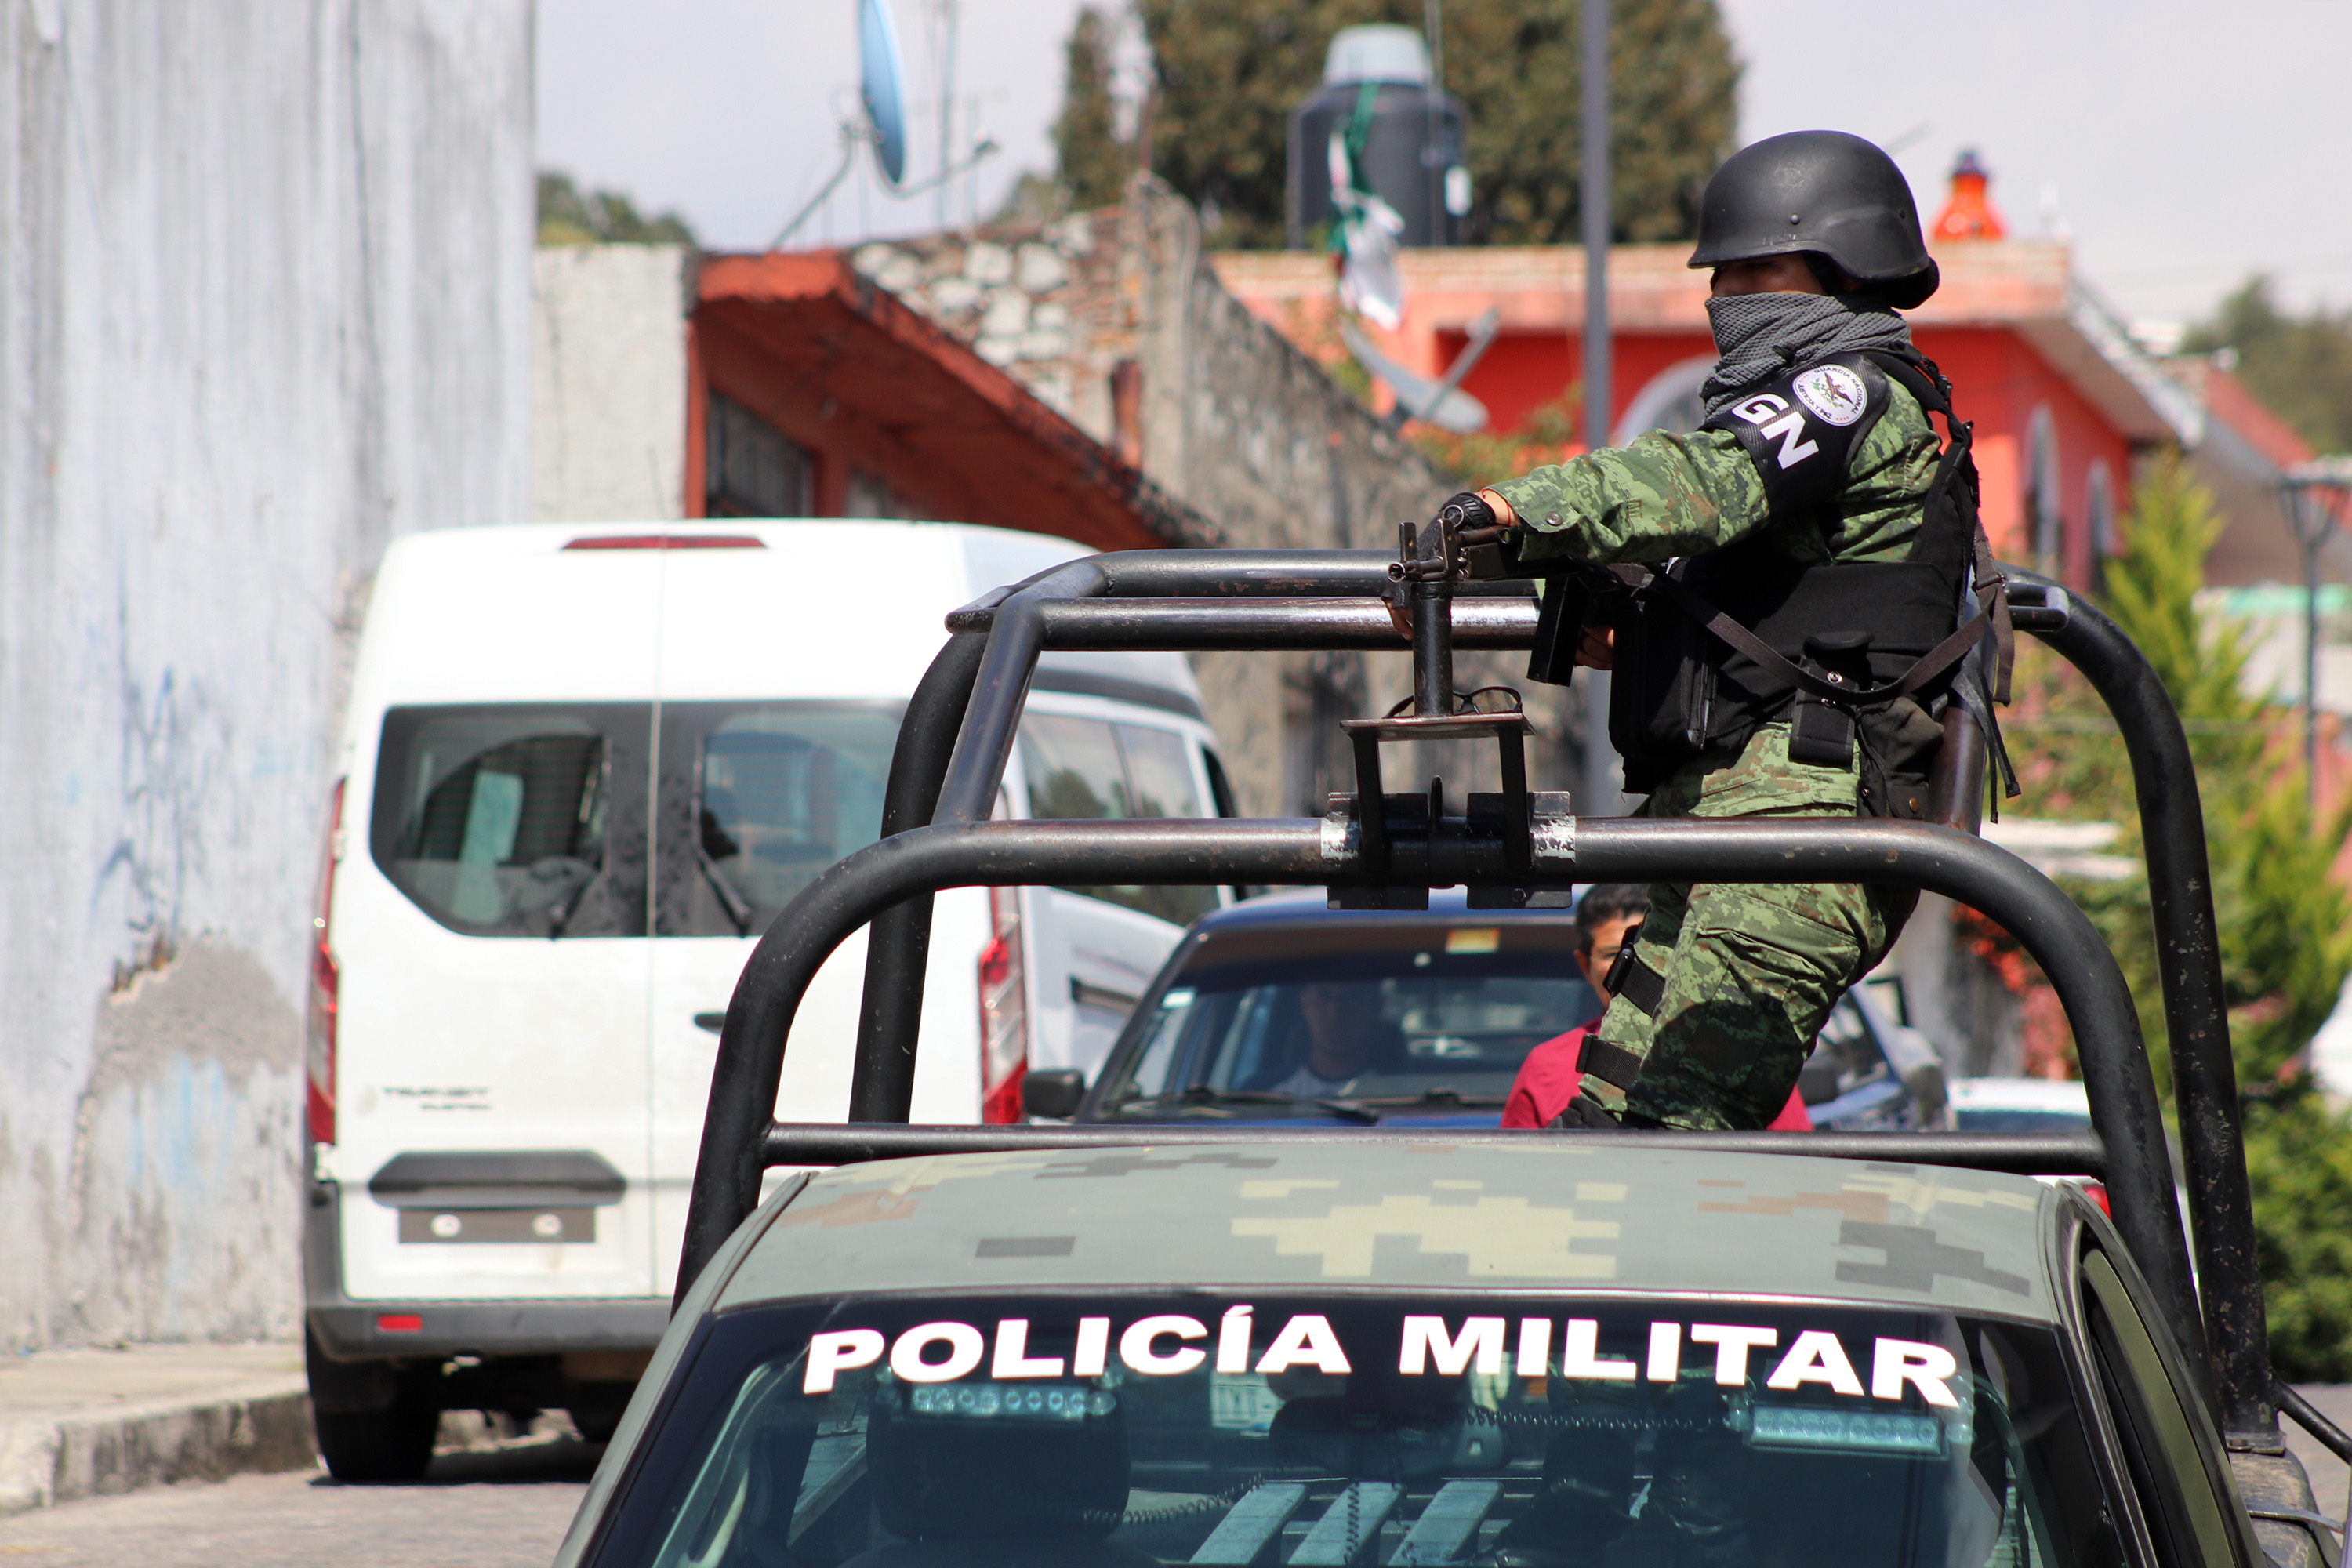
(1477,530)
(1467,510)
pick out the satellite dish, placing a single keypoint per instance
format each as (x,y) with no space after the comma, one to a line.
(884,91)
(883,85)
(1443,402)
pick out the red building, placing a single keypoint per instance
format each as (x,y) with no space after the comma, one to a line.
(850,404)
(2060,395)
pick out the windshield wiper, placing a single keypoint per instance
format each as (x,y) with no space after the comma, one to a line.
(1442,1095)
(730,899)
(1203,1094)
(559,916)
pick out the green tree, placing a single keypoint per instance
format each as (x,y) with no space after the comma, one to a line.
(567,216)
(2300,366)
(1228,73)
(2286,921)
(1095,162)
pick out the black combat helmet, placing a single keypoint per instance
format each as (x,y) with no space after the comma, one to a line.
(1821,191)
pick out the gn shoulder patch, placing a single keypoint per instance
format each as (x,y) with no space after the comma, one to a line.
(1800,430)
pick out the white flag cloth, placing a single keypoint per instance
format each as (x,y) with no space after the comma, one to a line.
(1369,284)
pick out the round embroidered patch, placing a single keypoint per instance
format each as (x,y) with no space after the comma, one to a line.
(1832,392)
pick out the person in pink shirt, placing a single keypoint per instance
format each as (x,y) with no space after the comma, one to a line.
(1607,918)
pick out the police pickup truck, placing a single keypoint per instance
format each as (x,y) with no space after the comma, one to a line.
(1321,1353)
(958,1347)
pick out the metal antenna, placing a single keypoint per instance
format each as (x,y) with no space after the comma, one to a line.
(853,133)
(1597,391)
(1433,23)
(947,104)
(1601,792)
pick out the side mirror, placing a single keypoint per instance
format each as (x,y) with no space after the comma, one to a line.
(1053,1092)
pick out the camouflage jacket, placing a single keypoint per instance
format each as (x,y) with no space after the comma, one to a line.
(1666,496)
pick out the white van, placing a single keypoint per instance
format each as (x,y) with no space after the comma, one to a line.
(584,768)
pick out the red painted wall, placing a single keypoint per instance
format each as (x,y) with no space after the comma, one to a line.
(1522,370)
(1998,381)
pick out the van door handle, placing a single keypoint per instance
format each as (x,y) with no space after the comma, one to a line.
(1090,996)
(714,1022)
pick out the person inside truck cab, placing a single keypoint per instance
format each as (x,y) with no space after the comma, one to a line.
(1343,1032)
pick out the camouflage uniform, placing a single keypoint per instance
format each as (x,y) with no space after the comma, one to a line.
(1751,972)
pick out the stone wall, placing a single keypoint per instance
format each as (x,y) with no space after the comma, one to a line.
(1116,319)
(264,304)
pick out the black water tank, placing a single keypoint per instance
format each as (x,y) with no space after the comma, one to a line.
(1413,158)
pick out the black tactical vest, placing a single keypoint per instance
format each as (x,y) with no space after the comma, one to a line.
(1855,656)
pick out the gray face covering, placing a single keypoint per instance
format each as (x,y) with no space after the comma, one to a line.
(1761,336)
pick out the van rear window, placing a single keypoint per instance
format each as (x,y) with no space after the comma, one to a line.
(779,790)
(503,821)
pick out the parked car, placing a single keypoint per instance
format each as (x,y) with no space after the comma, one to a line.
(1280,1351)
(584,767)
(2021,1105)
(2051,1105)
(1429,1013)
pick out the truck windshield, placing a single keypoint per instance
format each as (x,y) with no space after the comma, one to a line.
(1339,1009)
(1364,1429)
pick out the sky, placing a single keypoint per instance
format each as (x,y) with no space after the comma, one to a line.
(2180,144)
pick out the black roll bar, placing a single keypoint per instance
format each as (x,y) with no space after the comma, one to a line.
(1016,634)
(898,948)
(1190,599)
(1202,623)
(852,1142)
(2196,1016)
(1326,599)
(740,1126)
(1016,627)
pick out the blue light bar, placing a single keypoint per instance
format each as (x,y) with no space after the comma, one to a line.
(1845,1431)
(1010,1400)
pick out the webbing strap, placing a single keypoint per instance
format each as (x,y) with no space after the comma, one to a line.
(1935,662)
(1922,378)
(1992,592)
(1611,1064)
(1634,980)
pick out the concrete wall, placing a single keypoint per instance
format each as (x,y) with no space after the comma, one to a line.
(609,381)
(264,274)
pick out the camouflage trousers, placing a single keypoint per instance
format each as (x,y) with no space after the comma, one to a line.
(1752,970)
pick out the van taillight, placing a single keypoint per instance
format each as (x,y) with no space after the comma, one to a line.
(325,985)
(1004,1011)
